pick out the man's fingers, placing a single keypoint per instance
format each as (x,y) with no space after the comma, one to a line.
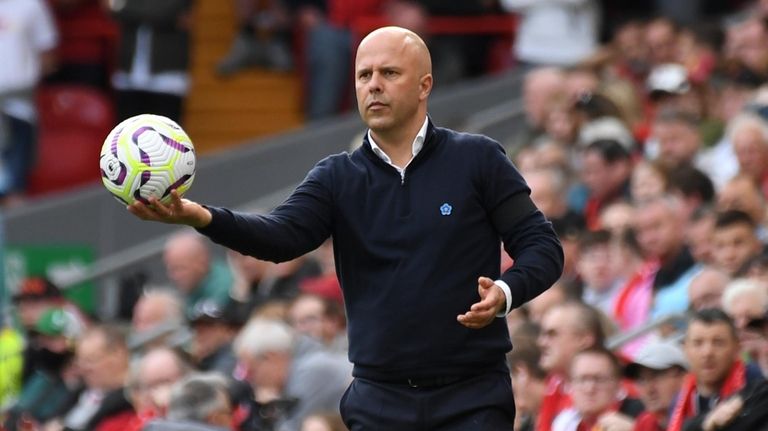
(486,304)
(475,319)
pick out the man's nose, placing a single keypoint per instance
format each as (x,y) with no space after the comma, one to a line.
(374,85)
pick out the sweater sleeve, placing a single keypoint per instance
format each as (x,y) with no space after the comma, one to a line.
(527,235)
(297,226)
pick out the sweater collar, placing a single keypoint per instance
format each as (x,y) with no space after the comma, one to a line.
(416,146)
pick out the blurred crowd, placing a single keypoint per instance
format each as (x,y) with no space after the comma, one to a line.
(234,344)
(647,152)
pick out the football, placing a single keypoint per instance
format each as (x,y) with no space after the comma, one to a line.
(147,155)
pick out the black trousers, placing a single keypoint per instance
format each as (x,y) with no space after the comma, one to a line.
(482,403)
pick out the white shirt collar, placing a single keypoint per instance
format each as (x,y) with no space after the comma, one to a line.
(418,144)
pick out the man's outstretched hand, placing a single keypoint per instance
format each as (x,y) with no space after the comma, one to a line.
(179,211)
(492,301)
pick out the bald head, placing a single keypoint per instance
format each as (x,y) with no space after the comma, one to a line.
(393,79)
(187,260)
(408,42)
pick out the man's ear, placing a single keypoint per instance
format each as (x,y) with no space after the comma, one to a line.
(425,86)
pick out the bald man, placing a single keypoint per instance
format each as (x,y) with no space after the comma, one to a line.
(193,271)
(417,215)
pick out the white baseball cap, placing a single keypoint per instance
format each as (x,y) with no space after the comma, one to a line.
(657,355)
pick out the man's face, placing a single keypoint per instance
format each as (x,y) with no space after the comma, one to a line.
(185,269)
(661,41)
(751,152)
(306,316)
(698,236)
(706,290)
(30,310)
(678,142)
(559,339)
(744,309)
(741,194)
(733,245)
(595,267)
(209,336)
(389,75)
(711,350)
(159,371)
(658,388)
(99,367)
(657,230)
(598,175)
(594,384)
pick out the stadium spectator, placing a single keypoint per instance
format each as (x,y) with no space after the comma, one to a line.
(734,241)
(214,329)
(616,218)
(659,225)
(158,319)
(28,43)
(661,38)
(34,298)
(745,46)
(528,382)
(540,87)
(741,193)
(679,139)
(598,398)
(566,329)
(194,271)
(714,391)
(745,301)
(698,234)
(101,357)
(199,402)
(150,380)
(693,186)
(658,371)
(152,58)
(554,33)
(648,180)
(287,386)
(748,134)
(53,386)
(606,168)
(320,318)
(707,287)
(601,283)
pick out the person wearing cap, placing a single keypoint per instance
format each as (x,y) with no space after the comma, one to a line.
(719,383)
(214,328)
(658,371)
(35,295)
(52,387)
(607,167)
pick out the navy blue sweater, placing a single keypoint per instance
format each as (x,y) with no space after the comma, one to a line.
(409,252)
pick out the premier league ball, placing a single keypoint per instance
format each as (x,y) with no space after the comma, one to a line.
(147,155)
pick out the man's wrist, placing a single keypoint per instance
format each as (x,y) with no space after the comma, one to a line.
(508,298)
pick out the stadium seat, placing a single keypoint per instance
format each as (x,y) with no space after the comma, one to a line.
(73,122)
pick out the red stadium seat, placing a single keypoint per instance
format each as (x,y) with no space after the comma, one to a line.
(73,122)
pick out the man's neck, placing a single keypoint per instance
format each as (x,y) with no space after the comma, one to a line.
(707,390)
(399,152)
